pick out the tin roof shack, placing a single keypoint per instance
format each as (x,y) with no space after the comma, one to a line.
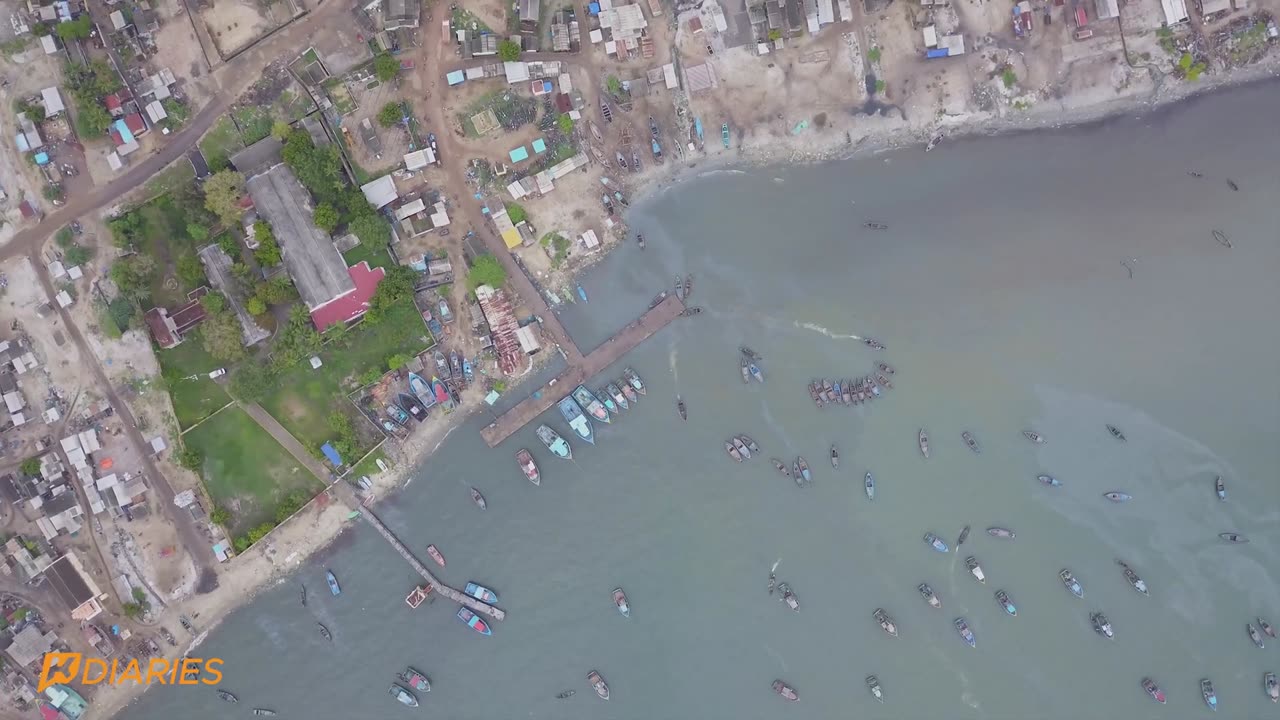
(1175,11)
(400,14)
(169,326)
(74,586)
(30,645)
(503,327)
(32,564)
(529,15)
(217,267)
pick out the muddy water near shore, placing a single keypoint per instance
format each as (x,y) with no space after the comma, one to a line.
(1000,292)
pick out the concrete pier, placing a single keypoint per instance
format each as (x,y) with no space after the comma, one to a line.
(579,371)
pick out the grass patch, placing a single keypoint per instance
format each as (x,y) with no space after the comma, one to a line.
(369,465)
(310,56)
(244,469)
(341,98)
(174,176)
(291,106)
(464,19)
(378,258)
(193,400)
(303,398)
(163,237)
(220,143)
(255,123)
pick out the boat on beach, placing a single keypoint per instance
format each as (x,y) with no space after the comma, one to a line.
(1115,433)
(442,365)
(1153,690)
(443,398)
(479,500)
(620,600)
(886,622)
(421,390)
(923,440)
(785,690)
(1133,578)
(870,484)
(742,448)
(835,457)
(473,621)
(556,444)
(733,451)
(789,597)
(1117,497)
(962,627)
(1070,582)
(1271,687)
(929,596)
(1033,437)
(576,419)
(975,569)
(1049,480)
(633,379)
(804,469)
(590,404)
(481,593)
(416,679)
(971,442)
(412,406)
(332,579)
(618,396)
(403,696)
(1254,635)
(598,684)
(1207,692)
(1002,598)
(1101,625)
(1220,488)
(999,532)
(434,552)
(935,542)
(455,364)
(524,459)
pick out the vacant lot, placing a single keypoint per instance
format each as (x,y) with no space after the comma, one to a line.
(193,400)
(220,143)
(245,470)
(164,235)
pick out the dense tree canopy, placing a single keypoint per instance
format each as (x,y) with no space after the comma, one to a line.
(222,195)
(220,336)
(371,229)
(486,270)
(386,67)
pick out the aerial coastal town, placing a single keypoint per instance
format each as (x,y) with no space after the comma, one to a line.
(258,258)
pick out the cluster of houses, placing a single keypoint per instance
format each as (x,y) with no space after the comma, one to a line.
(133,117)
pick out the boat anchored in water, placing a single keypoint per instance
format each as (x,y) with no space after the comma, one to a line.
(1049,480)
(1002,598)
(1153,690)
(1220,488)
(1235,538)
(1271,687)
(1033,436)
(416,679)
(264,712)
(1137,582)
(1115,433)
(785,690)
(804,469)
(975,569)
(578,422)
(324,631)
(971,442)
(1207,692)
(1002,533)
(1101,625)
(923,440)
(1071,583)
(741,447)
(870,484)
(755,372)
(962,627)
(332,579)
(873,684)
(404,697)
(1266,628)
(733,451)
(554,442)
(1116,496)
(479,500)
(473,621)
(929,596)
(524,459)
(681,409)
(566,694)
(789,597)
(620,600)
(481,593)
(619,397)
(633,379)
(598,684)
(964,535)
(886,622)
(935,542)
(1254,635)
(835,458)
(228,697)
(590,404)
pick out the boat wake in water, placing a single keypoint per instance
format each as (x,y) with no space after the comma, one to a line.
(671,360)
(821,330)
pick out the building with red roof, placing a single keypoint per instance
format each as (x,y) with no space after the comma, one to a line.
(136,124)
(168,328)
(352,304)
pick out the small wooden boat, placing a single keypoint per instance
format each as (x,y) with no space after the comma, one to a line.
(1206,692)
(1271,687)
(886,368)
(628,391)
(168,636)
(746,374)
(688,286)
(332,579)
(975,569)
(324,631)
(1049,480)
(828,391)
(478,499)
(228,697)
(875,226)
(619,397)
(789,597)
(873,685)
(780,466)
(751,444)
(785,690)
(524,459)
(804,469)
(886,622)
(964,535)
(935,542)
(884,381)
(1033,436)
(1002,598)
(404,697)
(815,394)
(1254,635)
(1115,433)
(733,451)
(481,593)
(962,627)
(1232,184)
(620,600)
(968,440)
(1220,488)
(680,287)
(755,372)
(633,379)
(796,475)
(742,448)
(752,354)
(681,409)
(1101,625)
(923,440)
(1153,690)
(566,694)
(1137,582)
(556,444)
(927,593)
(835,457)
(846,393)
(416,679)
(1266,627)
(598,684)
(1117,497)
(873,343)
(1070,582)
(473,621)
(442,365)
(1233,538)
(1222,239)
(999,532)
(870,484)
(264,712)
(612,407)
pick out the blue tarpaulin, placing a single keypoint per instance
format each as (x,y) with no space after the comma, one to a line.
(42,158)
(331,455)
(593,8)
(456,77)
(126,134)
(539,146)
(520,154)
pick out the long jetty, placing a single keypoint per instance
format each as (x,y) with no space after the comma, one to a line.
(623,342)
(347,493)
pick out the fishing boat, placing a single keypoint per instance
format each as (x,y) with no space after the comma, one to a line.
(590,404)
(873,685)
(628,391)
(479,500)
(742,365)
(434,552)
(473,621)
(609,404)
(1206,692)
(468,373)
(846,389)
(838,388)
(1254,635)
(742,448)
(1133,578)
(1233,538)
(884,381)
(1033,437)
(999,532)
(566,694)
(416,679)
(1266,627)
(1002,598)
(582,293)
(968,440)
(228,697)
(1049,480)
(828,391)
(789,597)
(421,389)
(927,593)
(688,286)
(620,600)
(975,569)
(780,466)
(1232,184)
(1220,488)
(796,475)
(1271,686)
(634,380)
(264,712)
(1117,496)
(524,459)
(412,406)
(873,343)
(886,368)
(783,689)
(923,440)
(870,484)
(578,422)
(455,364)
(751,444)
(813,394)
(886,622)
(964,535)
(724,135)
(935,542)
(1115,433)
(962,627)
(733,451)
(680,287)
(618,396)
(324,631)
(1101,625)
(1153,690)
(681,409)
(556,444)
(755,372)
(804,469)
(442,365)
(332,579)
(1222,239)
(443,398)
(397,414)
(598,683)
(835,457)
(1070,582)
(403,696)
(481,593)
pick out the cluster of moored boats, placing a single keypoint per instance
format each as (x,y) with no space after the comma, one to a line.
(414,400)
(579,409)
(851,391)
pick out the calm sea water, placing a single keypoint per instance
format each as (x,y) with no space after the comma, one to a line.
(1001,295)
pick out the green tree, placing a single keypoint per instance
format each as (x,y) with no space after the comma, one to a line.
(65,238)
(509,51)
(371,229)
(126,229)
(190,271)
(197,232)
(133,276)
(255,305)
(268,252)
(252,381)
(277,290)
(223,193)
(133,611)
(318,169)
(397,361)
(280,130)
(220,337)
(213,303)
(298,340)
(396,285)
(1009,78)
(565,123)
(77,255)
(390,115)
(486,270)
(613,84)
(52,192)
(326,217)
(516,213)
(122,312)
(220,516)
(91,119)
(77,29)
(190,458)
(386,67)
(874,54)
(30,467)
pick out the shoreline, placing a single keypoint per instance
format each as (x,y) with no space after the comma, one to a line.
(323,521)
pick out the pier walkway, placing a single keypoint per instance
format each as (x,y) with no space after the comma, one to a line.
(579,371)
(347,493)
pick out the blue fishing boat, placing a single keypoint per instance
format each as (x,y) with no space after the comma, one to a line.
(333,582)
(1002,597)
(724,135)
(467,372)
(556,444)
(935,542)
(590,404)
(697,128)
(421,389)
(578,422)
(473,621)
(755,372)
(582,293)
(481,593)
